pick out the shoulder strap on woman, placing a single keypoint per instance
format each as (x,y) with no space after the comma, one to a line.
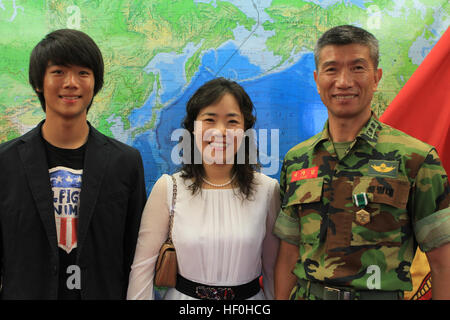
(172,208)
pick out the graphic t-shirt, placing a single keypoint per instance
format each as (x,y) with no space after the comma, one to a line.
(66,172)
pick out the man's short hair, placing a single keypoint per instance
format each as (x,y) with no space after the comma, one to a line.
(347,34)
(65,47)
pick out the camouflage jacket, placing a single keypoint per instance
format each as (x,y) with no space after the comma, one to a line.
(408,203)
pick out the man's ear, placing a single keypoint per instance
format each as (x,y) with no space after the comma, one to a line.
(378,75)
(315,79)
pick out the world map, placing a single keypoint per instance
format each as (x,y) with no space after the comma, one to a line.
(157,53)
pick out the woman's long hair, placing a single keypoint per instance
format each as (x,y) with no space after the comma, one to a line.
(208,94)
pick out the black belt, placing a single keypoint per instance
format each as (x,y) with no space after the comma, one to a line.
(207,292)
(325,292)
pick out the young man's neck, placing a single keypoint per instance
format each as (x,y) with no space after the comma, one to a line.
(65,133)
(346,129)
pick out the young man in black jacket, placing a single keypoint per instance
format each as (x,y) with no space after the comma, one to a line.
(71,198)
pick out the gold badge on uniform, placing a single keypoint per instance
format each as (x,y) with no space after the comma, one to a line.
(362,217)
(361,200)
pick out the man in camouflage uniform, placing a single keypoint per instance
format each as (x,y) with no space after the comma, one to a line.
(358,197)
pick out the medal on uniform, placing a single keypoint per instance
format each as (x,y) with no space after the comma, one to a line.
(361,201)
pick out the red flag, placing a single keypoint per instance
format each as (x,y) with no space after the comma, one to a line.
(422,107)
(422,110)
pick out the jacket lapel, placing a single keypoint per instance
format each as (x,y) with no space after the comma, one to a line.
(33,156)
(95,164)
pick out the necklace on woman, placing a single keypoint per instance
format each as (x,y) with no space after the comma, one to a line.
(222,184)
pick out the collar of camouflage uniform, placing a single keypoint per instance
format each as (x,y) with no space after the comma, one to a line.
(369,132)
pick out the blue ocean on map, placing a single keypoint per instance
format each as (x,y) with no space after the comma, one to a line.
(285,101)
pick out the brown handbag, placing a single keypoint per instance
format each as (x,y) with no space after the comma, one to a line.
(166,265)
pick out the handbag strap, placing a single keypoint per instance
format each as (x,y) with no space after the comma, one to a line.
(172,209)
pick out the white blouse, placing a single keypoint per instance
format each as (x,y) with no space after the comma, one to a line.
(219,238)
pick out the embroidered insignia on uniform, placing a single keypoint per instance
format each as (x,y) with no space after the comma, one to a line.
(307,173)
(383,168)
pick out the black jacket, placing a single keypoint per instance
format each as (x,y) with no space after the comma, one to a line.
(111,202)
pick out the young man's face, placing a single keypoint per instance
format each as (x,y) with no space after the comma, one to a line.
(346,79)
(68,90)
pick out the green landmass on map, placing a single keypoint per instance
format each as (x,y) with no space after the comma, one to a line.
(132,32)
(129,33)
(305,21)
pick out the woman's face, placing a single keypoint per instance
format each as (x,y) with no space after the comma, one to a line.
(218,130)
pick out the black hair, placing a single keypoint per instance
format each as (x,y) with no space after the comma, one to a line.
(209,93)
(65,47)
(347,34)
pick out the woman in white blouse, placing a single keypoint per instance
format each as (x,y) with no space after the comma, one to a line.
(224,211)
